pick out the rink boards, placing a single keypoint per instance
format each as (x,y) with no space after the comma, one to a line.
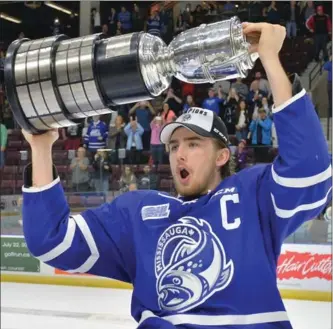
(304,271)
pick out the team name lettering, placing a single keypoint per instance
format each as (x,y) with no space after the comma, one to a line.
(197,111)
(179,231)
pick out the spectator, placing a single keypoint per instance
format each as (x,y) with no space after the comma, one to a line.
(112,21)
(127,180)
(119,29)
(241,156)
(175,103)
(212,102)
(189,103)
(117,137)
(166,16)
(328,67)
(254,98)
(96,135)
(229,6)
(80,174)
(102,167)
(134,132)
(124,17)
(157,148)
(3,143)
(181,25)
(187,16)
(96,18)
(320,25)
(153,23)
(105,32)
(273,15)
(241,88)
(229,111)
(255,11)
(263,84)
(144,113)
(137,19)
(167,114)
(260,130)
(199,16)
(73,137)
(266,106)
(242,120)
(291,16)
(147,181)
(309,10)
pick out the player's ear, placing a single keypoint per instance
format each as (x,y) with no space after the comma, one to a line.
(223,156)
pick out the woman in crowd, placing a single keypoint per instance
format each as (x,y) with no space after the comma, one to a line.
(102,167)
(167,114)
(117,137)
(189,103)
(229,110)
(157,148)
(242,120)
(127,179)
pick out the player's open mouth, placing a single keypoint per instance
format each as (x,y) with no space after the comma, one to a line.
(184,175)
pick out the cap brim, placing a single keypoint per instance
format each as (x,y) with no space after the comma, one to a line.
(169,129)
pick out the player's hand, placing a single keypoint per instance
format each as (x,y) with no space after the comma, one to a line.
(265,39)
(45,140)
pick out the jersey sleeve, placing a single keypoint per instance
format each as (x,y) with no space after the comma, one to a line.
(96,241)
(298,185)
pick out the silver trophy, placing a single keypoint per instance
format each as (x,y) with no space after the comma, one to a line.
(56,82)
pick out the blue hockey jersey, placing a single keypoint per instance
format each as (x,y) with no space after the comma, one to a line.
(209,262)
(96,136)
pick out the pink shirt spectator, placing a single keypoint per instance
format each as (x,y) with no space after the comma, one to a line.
(169,116)
(155,133)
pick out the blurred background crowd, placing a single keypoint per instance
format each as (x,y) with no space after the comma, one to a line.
(111,154)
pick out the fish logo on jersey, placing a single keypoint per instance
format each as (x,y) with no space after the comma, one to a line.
(190,265)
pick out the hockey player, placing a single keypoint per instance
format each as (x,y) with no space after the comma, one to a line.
(206,259)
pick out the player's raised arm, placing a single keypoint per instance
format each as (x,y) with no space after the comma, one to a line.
(90,242)
(298,185)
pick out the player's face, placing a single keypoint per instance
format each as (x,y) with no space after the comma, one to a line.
(194,162)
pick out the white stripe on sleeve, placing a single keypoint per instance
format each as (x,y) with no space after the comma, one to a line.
(302,181)
(286,213)
(92,259)
(63,246)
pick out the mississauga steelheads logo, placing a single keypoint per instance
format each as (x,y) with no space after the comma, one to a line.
(190,265)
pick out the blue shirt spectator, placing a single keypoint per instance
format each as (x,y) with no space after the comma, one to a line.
(124,17)
(154,25)
(134,131)
(261,129)
(212,102)
(144,113)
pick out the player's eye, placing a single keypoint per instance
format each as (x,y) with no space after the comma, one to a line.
(192,144)
(173,148)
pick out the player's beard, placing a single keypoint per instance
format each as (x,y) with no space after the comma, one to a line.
(199,184)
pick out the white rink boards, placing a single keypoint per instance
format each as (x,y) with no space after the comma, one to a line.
(30,306)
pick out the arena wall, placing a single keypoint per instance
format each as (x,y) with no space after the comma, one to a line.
(304,271)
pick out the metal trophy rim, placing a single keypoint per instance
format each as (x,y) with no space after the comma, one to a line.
(10,86)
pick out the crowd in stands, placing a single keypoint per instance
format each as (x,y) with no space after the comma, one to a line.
(124,147)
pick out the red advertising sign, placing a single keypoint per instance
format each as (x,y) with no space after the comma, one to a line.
(304,265)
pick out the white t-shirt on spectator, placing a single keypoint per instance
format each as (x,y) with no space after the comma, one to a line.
(97,19)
